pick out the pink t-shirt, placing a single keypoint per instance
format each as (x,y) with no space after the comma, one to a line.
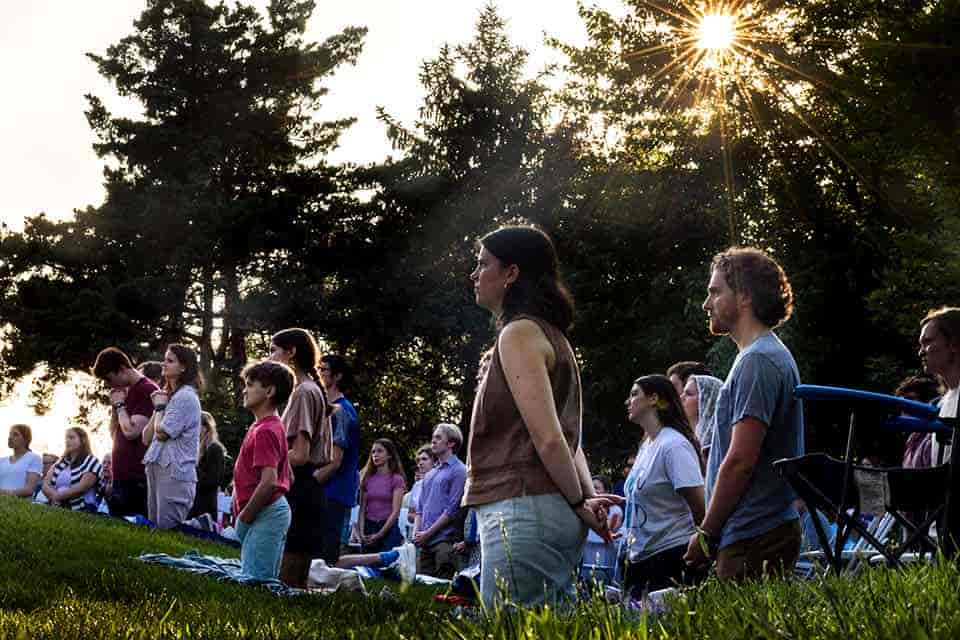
(379,488)
(265,445)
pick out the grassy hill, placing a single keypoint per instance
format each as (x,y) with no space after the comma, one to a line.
(74,576)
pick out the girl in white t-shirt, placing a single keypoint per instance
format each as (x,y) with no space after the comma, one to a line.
(664,490)
(20,473)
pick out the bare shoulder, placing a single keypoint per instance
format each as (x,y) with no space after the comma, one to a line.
(523,333)
(525,338)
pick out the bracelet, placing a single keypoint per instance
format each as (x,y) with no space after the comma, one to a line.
(160,407)
(119,405)
(709,544)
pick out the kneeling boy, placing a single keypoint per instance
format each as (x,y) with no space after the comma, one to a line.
(261,475)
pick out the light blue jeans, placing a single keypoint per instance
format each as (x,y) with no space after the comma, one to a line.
(261,543)
(529,550)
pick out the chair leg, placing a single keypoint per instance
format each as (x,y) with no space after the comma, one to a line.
(917,534)
(824,540)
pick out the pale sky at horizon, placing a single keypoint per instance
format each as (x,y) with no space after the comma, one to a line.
(48,164)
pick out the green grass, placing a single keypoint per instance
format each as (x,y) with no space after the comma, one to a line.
(73,576)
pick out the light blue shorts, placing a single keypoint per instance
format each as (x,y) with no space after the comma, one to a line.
(261,543)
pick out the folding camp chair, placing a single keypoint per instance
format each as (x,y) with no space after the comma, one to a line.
(843,491)
(856,554)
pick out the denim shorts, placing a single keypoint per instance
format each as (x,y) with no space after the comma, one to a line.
(261,542)
(529,550)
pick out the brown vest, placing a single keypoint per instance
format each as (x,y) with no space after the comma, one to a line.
(501,459)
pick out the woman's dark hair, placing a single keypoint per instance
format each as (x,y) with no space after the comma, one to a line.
(539,290)
(191,367)
(669,410)
(393,461)
(85,449)
(922,388)
(339,366)
(306,354)
(152,369)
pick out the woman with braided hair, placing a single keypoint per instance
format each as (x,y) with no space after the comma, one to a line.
(309,438)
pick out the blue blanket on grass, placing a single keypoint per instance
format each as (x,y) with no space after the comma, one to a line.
(223,569)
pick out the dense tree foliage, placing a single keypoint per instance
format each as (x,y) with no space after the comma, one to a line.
(218,188)
(828,137)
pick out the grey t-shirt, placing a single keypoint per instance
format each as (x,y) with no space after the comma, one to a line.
(760,385)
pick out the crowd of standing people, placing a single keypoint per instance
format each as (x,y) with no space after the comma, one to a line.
(700,491)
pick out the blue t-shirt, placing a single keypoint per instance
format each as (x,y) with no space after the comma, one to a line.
(342,485)
(760,385)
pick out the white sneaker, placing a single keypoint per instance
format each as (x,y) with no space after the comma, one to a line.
(407,563)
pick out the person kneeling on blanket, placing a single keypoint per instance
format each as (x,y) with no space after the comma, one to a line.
(261,475)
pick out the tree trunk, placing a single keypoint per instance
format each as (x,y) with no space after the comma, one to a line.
(207,359)
(235,335)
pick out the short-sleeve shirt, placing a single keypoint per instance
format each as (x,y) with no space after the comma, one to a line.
(379,488)
(760,385)
(948,409)
(306,412)
(13,475)
(181,421)
(265,445)
(66,475)
(128,453)
(342,485)
(657,517)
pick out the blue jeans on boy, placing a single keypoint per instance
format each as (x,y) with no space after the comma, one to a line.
(261,542)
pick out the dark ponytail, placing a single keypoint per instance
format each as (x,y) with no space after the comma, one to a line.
(306,352)
(669,410)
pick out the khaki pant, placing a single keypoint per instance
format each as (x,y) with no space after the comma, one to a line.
(773,553)
(438,561)
(168,500)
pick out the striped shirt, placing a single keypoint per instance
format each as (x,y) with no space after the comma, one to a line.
(66,475)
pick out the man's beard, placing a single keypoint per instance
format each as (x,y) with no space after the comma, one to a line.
(720,326)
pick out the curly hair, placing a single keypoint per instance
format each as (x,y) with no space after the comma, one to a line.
(754,273)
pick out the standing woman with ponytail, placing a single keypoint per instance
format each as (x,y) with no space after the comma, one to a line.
(309,439)
(527,476)
(172,437)
(664,490)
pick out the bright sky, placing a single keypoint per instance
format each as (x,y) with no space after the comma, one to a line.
(48,164)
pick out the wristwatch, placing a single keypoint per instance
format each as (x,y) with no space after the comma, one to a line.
(119,405)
